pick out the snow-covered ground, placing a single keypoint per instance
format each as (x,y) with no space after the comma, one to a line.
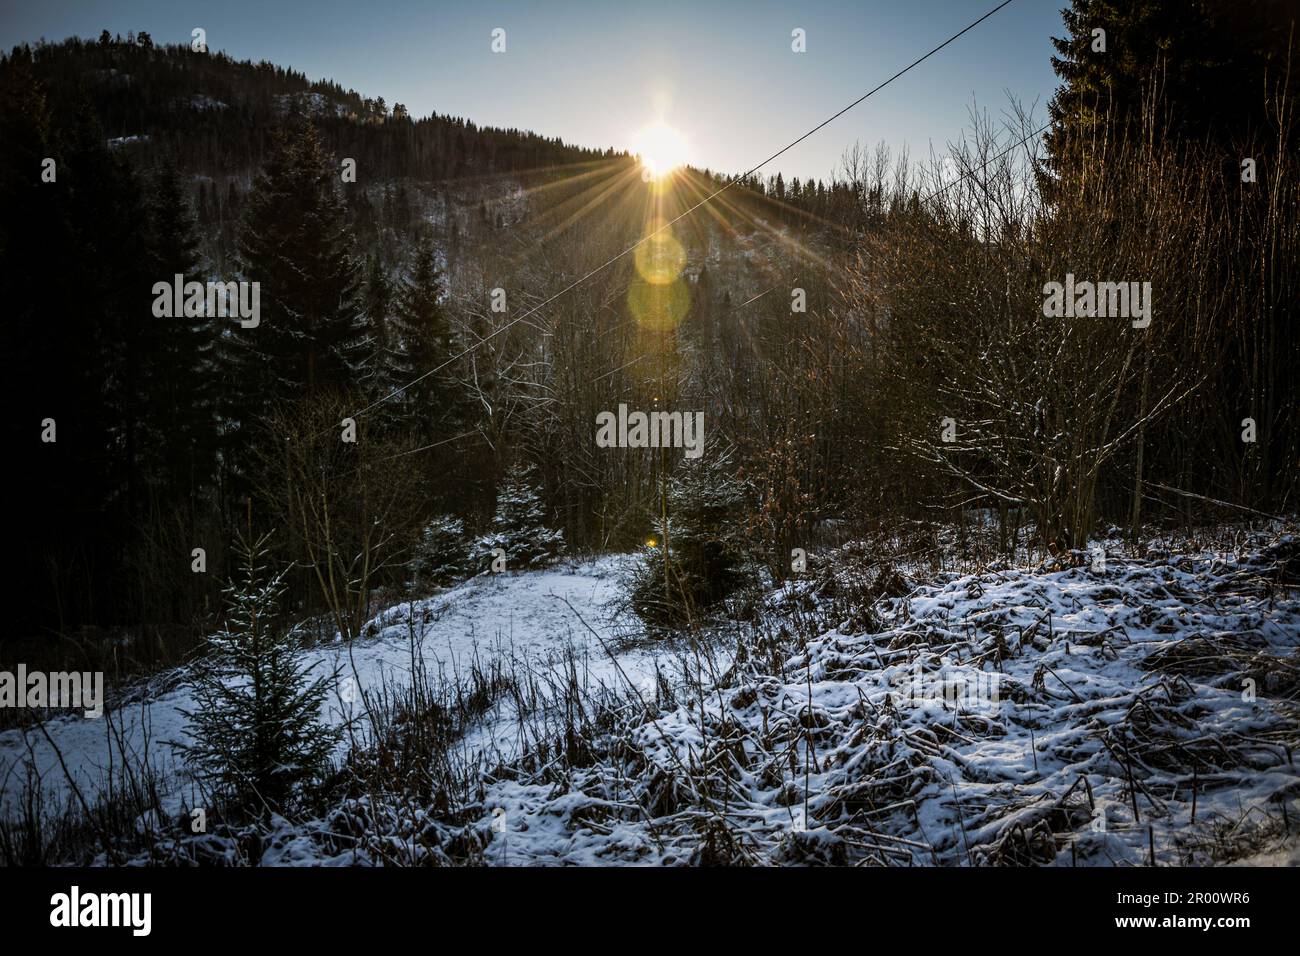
(1144,709)
(1142,713)
(519,617)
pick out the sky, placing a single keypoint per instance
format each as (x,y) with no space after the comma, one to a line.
(596,72)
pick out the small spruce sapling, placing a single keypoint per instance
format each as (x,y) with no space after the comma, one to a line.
(519,527)
(442,553)
(256,726)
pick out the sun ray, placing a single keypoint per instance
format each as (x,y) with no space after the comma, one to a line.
(587,201)
(732,204)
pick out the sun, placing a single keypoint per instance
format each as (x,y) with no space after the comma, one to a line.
(661,148)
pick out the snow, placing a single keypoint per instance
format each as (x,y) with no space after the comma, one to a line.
(312,103)
(1054,715)
(118,142)
(517,616)
(202,102)
(1287,855)
(1090,698)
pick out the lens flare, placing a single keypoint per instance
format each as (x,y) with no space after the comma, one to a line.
(659,307)
(660,257)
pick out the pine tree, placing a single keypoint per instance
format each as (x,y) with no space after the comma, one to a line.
(519,527)
(256,727)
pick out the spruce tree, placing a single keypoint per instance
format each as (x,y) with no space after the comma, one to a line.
(423,342)
(104,375)
(1211,60)
(519,526)
(442,553)
(256,725)
(700,556)
(294,242)
(377,303)
(181,356)
(47,368)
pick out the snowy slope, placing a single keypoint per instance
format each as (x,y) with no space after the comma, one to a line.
(1144,713)
(519,616)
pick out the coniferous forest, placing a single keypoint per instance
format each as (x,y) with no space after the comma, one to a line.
(421,475)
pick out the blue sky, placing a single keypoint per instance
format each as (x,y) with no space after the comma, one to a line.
(722,73)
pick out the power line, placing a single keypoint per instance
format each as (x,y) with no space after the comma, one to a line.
(983,165)
(577,282)
(933,195)
(445,441)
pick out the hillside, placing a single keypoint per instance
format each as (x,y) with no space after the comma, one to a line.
(162,150)
(877,713)
(212,114)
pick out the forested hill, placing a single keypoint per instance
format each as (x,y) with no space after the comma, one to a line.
(126,163)
(876,348)
(213,114)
